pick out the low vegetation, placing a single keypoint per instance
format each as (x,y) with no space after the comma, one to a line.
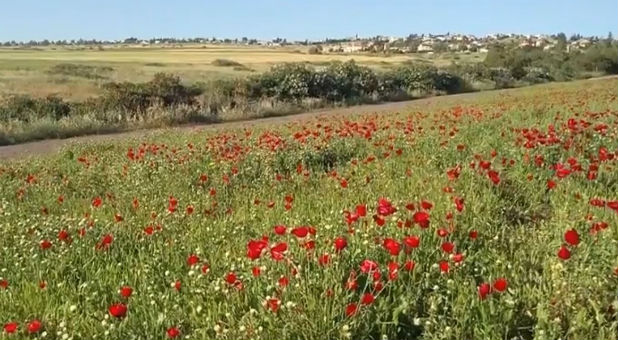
(226,63)
(83,71)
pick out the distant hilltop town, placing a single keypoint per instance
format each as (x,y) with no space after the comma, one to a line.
(413,43)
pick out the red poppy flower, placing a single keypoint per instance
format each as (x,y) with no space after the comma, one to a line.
(426,205)
(300,232)
(45,244)
(118,217)
(453,173)
(564,253)
(63,235)
(571,237)
(283,281)
(412,241)
(368,266)
(273,304)
(255,248)
(367,299)
(392,246)
(340,243)
(361,210)
(562,171)
(192,260)
(231,278)
(96,202)
(309,245)
(442,232)
(173,332)
(149,230)
(34,326)
(351,309)
(126,291)
(11,327)
(457,258)
(280,229)
(177,285)
(494,176)
(380,221)
(4,284)
(500,284)
(473,234)
(444,266)
(118,310)
(421,218)
(393,270)
(343,183)
(278,251)
(256,271)
(324,260)
(172,204)
(448,247)
(459,203)
(105,242)
(385,207)
(551,184)
(409,265)
(484,290)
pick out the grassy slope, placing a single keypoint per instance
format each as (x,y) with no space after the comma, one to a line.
(520,226)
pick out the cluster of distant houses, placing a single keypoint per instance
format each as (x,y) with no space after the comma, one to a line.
(414,43)
(449,42)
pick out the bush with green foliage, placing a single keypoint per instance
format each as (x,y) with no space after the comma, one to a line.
(29,109)
(164,90)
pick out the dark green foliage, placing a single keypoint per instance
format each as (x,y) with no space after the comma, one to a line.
(165,90)
(535,65)
(28,109)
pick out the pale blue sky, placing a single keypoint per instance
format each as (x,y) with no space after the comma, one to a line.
(298,19)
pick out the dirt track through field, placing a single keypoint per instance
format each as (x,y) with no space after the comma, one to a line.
(44,147)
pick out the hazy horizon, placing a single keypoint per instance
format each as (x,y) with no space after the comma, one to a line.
(114,20)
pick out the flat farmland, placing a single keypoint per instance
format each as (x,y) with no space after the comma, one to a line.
(35,72)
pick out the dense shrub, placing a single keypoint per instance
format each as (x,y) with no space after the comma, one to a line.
(28,109)
(558,64)
(536,75)
(344,81)
(164,90)
(502,78)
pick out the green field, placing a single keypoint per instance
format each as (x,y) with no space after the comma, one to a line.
(489,216)
(31,71)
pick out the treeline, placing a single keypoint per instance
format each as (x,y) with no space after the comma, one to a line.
(535,64)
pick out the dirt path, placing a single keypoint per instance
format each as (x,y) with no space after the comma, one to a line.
(32,149)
